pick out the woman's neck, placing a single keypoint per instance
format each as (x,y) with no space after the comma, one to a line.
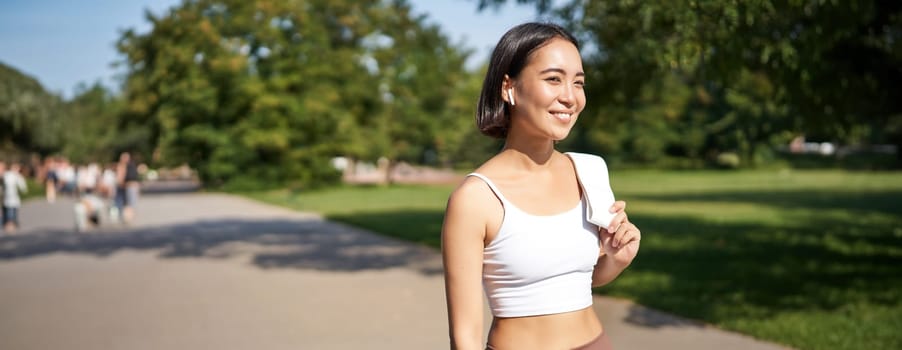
(533,155)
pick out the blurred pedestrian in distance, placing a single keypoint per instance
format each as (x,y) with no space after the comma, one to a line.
(13,185)
(87,177)
(127,187)
(88,210)
(51,179)
(107,190)
(2,191)
(65,172)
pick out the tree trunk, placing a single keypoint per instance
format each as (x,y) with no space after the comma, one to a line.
(390,171)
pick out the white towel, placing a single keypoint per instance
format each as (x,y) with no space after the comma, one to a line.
(592,173)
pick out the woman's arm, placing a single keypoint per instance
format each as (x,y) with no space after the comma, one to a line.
(463,235)
(619,246)
(120,174)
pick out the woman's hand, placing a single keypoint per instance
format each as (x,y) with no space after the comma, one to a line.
(620,240)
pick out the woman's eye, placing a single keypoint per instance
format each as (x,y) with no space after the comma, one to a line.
(580,83)
(553,79)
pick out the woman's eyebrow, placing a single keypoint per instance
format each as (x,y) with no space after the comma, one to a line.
(561,71)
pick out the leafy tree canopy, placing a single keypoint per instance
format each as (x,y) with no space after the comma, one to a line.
(28,114)
(268,91)
(749,70)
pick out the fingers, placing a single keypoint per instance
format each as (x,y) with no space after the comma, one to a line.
(626,233)
(606,237)
(621,231)
(617,221)
(618,235)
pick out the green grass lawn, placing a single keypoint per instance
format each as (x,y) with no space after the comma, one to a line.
(35,189)
(811,259)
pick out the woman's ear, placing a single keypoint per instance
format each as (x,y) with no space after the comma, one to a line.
(507,90)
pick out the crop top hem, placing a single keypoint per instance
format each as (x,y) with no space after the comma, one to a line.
(546,311)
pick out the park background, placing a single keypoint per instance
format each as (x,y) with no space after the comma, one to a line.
(757,142)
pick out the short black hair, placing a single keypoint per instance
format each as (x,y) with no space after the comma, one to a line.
(508,58)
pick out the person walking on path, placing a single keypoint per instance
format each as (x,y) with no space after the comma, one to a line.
(2,192)
(66,176)
(107,190)
(51,179)
(517,226)
(127,187)
(13,184)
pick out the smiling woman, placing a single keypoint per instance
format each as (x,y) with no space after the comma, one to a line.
(517,226)
(548,87)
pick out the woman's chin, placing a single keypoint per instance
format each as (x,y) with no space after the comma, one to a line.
(560,136)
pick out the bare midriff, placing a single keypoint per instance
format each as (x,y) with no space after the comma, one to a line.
(556,331)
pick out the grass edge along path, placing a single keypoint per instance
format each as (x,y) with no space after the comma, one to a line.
(804,258)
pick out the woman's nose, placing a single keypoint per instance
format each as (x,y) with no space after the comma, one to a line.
(567,97)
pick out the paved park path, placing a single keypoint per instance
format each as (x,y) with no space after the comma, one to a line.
(215,271)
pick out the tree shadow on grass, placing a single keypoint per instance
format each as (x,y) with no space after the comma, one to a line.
(882,201)
(719,272)
(269,243)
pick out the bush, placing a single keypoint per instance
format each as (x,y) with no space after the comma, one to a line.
(728,160)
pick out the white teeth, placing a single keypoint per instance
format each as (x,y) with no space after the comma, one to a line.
(561,116)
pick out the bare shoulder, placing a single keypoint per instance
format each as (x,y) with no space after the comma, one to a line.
(472,195)
(471,209)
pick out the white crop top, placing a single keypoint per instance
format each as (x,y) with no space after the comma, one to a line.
(539,265)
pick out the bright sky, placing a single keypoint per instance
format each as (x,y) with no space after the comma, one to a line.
(62,43)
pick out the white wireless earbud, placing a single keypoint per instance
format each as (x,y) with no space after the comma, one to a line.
(510,96)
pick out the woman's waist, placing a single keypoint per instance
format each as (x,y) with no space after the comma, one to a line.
(560,330)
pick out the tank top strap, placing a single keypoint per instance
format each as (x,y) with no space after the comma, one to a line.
(491,186)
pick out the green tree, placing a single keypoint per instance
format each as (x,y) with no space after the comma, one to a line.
(91,124)
(29,115)
(460,144)
(418,73)
(828,67)
(268,91)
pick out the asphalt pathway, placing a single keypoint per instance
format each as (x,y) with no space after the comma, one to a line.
(215,271)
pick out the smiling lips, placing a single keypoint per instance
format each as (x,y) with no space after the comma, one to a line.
(562,117)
